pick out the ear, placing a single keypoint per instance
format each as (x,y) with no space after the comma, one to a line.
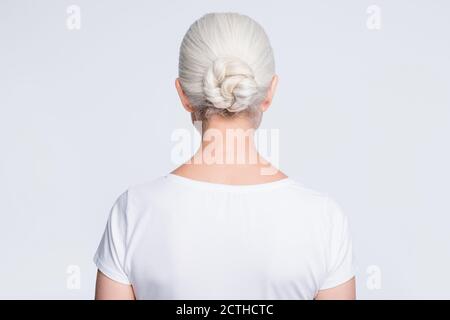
(270,93)
(184,99)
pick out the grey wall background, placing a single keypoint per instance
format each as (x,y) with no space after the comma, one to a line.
(363,115)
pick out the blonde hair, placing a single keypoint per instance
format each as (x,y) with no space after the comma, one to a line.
(226,65)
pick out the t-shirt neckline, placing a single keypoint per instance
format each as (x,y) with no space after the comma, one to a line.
(226,187)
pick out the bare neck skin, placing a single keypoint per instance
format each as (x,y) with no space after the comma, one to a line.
(228,155)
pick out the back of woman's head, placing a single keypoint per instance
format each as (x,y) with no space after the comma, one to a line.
(226,65)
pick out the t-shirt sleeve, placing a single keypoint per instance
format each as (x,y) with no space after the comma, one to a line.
(110,255)
(340,267)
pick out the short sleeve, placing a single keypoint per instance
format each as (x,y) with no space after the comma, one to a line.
(340,267)
(111,251)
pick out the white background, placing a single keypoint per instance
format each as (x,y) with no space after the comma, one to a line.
(363,115)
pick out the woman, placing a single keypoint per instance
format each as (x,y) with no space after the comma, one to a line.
(226,224)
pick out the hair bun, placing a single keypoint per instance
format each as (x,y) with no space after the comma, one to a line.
(229,83)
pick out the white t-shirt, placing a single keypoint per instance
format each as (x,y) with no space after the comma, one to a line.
(178,238)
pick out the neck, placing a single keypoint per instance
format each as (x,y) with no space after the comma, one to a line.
(228,154)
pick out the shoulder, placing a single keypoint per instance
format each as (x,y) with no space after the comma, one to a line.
(307,195)
(321,201)
(147,187)
(133,202)
(147,193)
